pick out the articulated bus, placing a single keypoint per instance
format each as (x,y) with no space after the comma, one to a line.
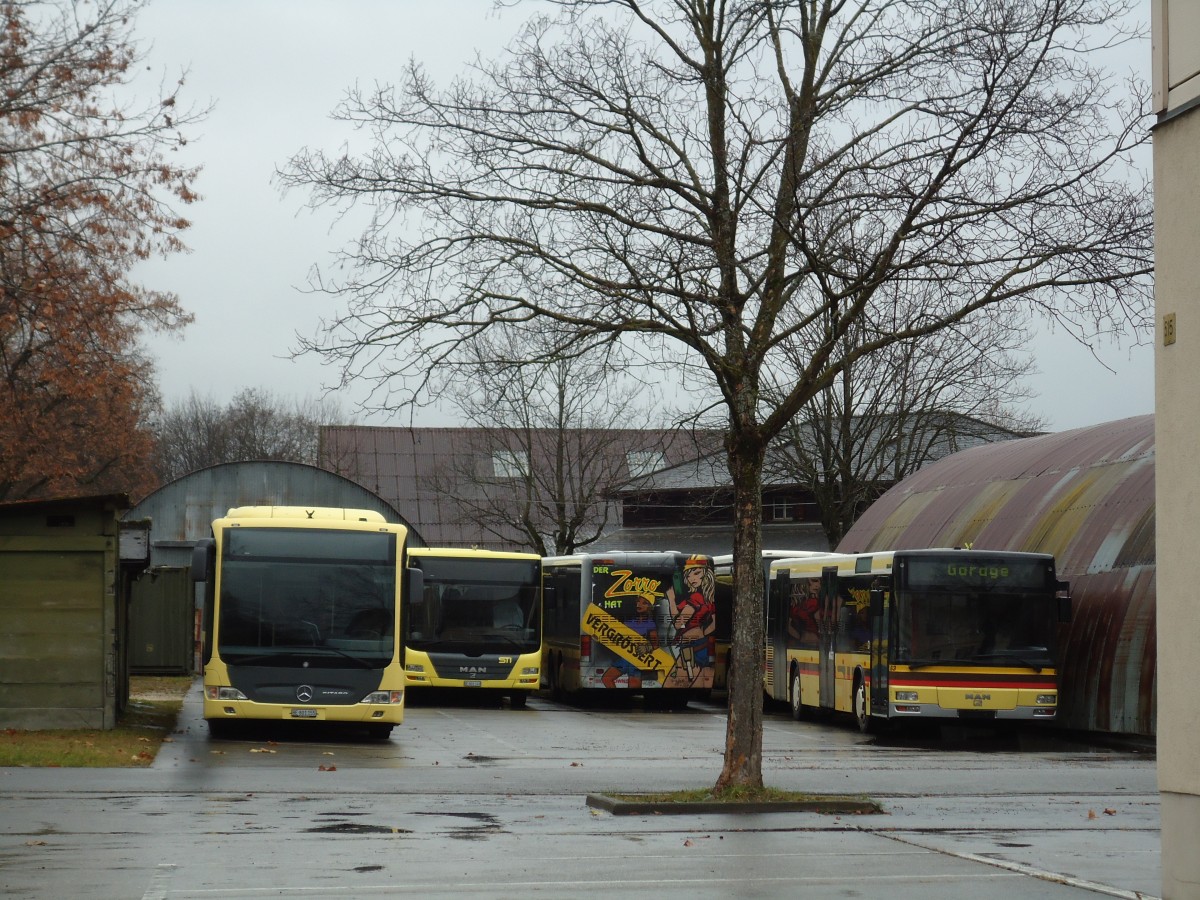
(476,624)
(912,635)
(301,617)
(723,567)
(633,622)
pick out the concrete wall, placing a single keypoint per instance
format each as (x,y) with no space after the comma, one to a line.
(1176,70)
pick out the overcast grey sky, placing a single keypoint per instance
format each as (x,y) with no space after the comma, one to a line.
(275,69)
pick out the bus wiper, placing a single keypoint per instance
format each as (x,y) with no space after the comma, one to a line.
(254,659)
(350,656)
(520,645)
(1015,660)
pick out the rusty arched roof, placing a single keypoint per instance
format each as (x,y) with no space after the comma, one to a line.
(1085,495)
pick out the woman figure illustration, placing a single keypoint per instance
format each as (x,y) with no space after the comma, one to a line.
(694,615)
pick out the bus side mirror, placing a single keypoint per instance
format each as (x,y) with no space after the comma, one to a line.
(876,602)
(203,556)
(1064,601)
(415,587)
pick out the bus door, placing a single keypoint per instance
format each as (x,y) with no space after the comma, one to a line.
(827,637)
(779,590)
(881,601)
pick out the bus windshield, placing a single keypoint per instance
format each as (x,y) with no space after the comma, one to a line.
(978,627)
(490,605)
(327,596)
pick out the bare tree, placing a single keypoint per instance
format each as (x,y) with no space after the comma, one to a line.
(551,432)
(886,415)
(256,425)
(708,181)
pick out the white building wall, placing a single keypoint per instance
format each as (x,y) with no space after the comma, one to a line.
(1176,73)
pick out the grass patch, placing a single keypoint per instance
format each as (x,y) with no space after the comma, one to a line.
(733,800)
(738,794)
(147,722)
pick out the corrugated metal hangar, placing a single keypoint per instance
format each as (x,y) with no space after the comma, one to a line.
(1085,495)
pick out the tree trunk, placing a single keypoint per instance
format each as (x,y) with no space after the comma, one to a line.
(743,735)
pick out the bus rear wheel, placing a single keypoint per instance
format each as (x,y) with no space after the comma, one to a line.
(556,686)
(862,716)
(794,697)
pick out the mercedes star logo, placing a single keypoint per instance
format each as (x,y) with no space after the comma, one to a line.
(304,693)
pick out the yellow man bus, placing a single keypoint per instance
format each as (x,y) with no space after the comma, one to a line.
(908,635)
(301,617)
(633,622)
(476,622)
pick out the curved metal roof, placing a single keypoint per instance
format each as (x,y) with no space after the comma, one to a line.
(1087,496)
(182,511)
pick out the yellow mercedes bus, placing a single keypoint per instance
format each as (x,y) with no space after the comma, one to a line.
(301,617)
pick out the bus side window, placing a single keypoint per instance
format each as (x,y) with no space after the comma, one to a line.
(803,607)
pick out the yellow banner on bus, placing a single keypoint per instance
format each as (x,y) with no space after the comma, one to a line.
(623,640)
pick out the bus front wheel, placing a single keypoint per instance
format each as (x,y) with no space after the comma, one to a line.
(862,715)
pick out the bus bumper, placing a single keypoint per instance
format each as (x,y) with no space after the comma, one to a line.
(391,713)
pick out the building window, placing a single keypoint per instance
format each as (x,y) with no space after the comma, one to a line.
(643,462)
(782,510)
(510,463)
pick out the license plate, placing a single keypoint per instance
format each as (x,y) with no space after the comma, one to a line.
(304,714)
(473,684)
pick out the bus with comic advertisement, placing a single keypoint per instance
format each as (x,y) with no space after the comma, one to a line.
(723,569)
(475,623)
(939,635)
(301,617)
(630,622)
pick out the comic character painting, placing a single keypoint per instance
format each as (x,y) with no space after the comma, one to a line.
(643,623)
(693,616)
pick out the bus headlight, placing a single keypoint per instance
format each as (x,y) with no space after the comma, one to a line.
(414,667)
(906,696)
(1048,699)
(387,697)
(224,693)
(529,670)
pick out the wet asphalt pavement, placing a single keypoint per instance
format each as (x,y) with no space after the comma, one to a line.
(485,801)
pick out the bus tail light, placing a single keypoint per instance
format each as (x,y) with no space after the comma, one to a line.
(585,646)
